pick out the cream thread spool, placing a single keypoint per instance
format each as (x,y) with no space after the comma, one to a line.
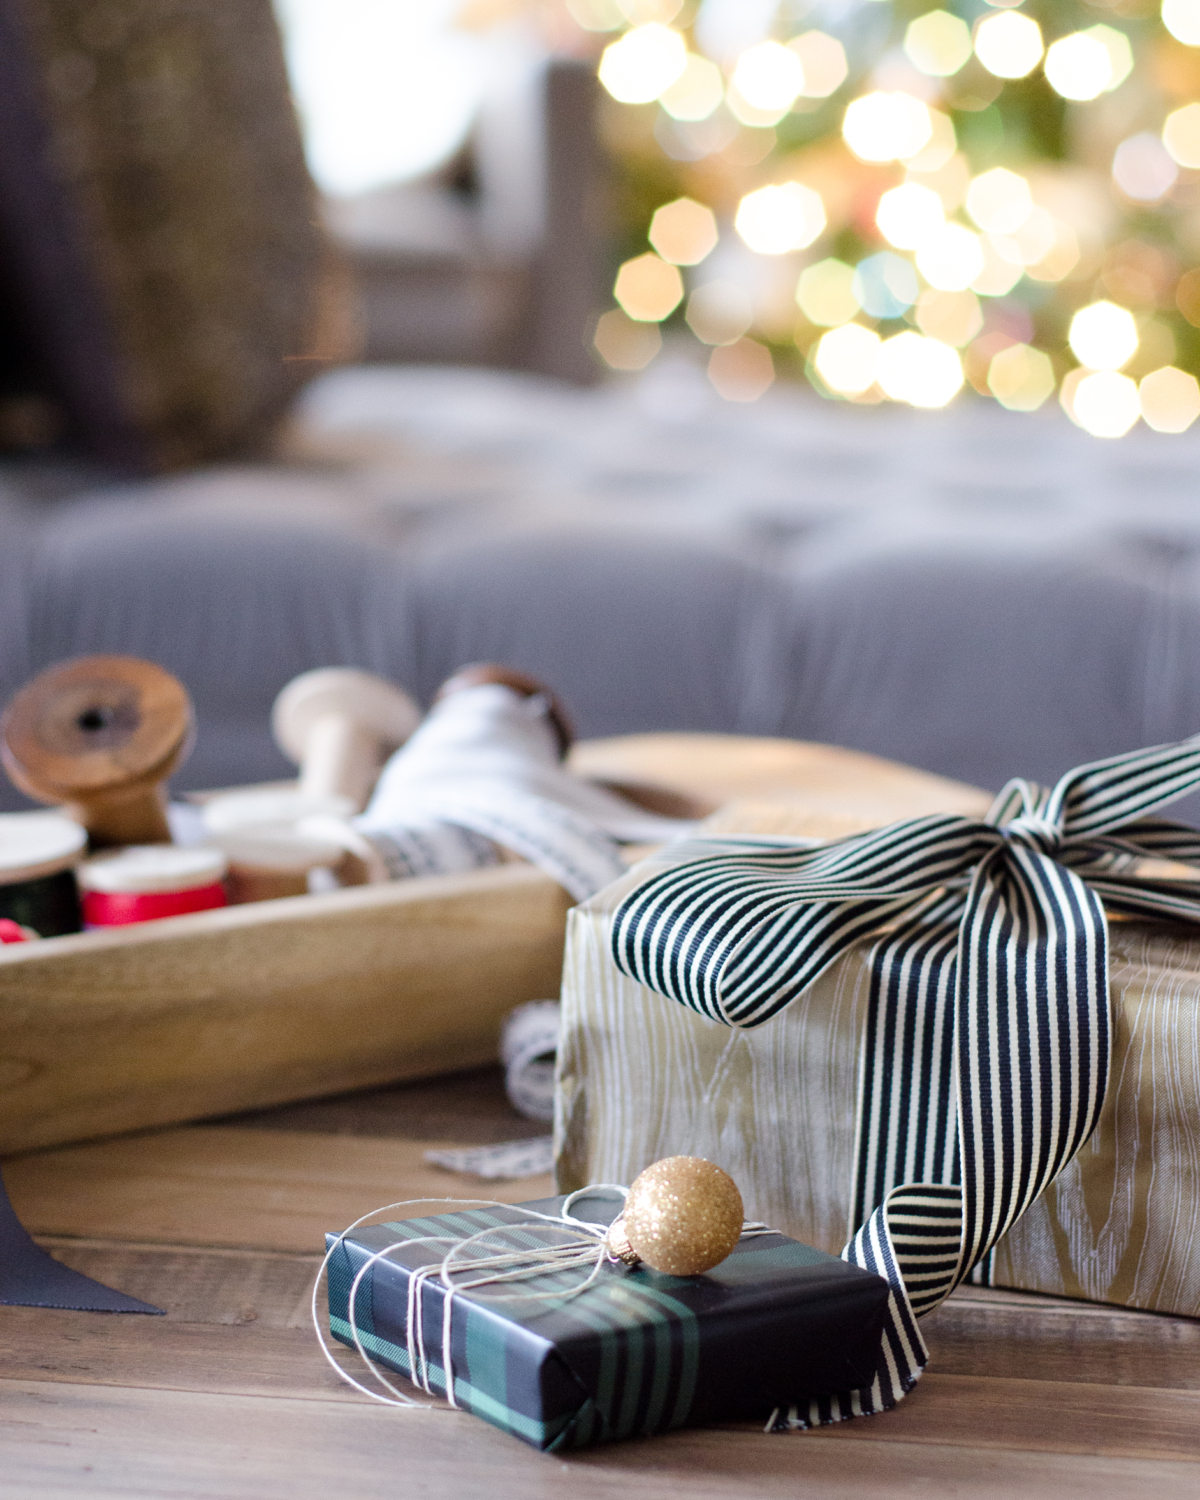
(147,882)
(339,726)
(100,736)
(266,864)
(38,855)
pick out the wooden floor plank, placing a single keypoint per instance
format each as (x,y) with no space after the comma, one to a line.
(231,1185)
(86,1440)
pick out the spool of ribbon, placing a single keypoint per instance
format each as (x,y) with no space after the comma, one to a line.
(38,853)
(483,774)
(147,882)
(986,1049)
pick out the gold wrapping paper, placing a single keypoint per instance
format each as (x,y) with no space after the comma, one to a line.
(641,1077)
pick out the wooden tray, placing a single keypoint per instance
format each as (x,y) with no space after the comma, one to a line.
(106,1032)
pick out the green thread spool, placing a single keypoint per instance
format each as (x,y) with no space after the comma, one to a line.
(38,855)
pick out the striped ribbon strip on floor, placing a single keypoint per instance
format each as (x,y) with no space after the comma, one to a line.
(986,1048)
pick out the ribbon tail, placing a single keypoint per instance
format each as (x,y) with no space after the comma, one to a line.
(29,1277)
(913,1240)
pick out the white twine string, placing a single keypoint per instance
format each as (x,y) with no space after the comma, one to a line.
(587,1251)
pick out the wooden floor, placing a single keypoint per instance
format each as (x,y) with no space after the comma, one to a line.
(228,1396)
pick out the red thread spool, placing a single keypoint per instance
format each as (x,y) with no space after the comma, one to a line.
(148,882)
(12,932)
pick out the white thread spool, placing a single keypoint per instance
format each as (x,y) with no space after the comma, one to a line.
(339,725)
(267,863)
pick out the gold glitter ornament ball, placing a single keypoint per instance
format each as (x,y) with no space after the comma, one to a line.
(683,1215)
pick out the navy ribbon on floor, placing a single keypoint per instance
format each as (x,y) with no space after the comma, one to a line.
(29,1277)
(986,1050)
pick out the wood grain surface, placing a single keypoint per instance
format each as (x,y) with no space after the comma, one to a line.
(228,1396)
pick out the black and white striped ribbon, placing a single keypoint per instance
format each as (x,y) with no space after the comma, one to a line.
(987,1041)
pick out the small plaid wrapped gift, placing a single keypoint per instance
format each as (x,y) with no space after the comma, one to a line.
(635,1352)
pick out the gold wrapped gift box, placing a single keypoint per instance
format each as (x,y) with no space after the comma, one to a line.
(641,1077)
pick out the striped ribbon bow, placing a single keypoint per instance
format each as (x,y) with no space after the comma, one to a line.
(987,1041)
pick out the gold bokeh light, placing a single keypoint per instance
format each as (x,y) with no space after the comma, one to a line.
(1103,336)
(885,126)
(999,201)
(1169,399)
(741,371)
(950,317)
(643,63)
(696,93)
(1009,44)
(847,358)
(823,59)
(683,232)
(1021,378)
(648,289)
(938,43)
(780,218)
(1079,66)
(951,259)
(921,371)
(1105,404)
(909,214)
(825,293)
(624,344)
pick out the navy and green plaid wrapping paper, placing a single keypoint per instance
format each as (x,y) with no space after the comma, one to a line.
(639,1352)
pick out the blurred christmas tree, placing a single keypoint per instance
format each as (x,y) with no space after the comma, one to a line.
(900,200)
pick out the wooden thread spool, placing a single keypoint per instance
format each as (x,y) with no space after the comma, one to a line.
(339,726)
(100,736)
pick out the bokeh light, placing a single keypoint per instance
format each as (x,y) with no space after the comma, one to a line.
(769,76)
(648,289)
(938,149)
(886,126)
(1032,240)
(823,59)
(951,259)
(921,371)
(779,218)
(1182,20)
(1169,399)
(1105,404)
(1009,44)
(596,15)
(638,12)
(938,43)
(1103,336)
(1181,135)
(623,344)
(683,232)
(719,312)
(1021,378)
(825,293)
(1060,259)
(998,276)
(847,357)
(951,317)
(1079,66)
(742,371)
(885,285)
(1120,54)
(907,215)
(999,201)
(697,91)
(1143,168)
(643,63)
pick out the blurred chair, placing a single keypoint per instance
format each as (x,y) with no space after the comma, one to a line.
(498,260)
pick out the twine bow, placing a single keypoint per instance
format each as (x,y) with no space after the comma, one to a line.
(572,1254)
(986,1050)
